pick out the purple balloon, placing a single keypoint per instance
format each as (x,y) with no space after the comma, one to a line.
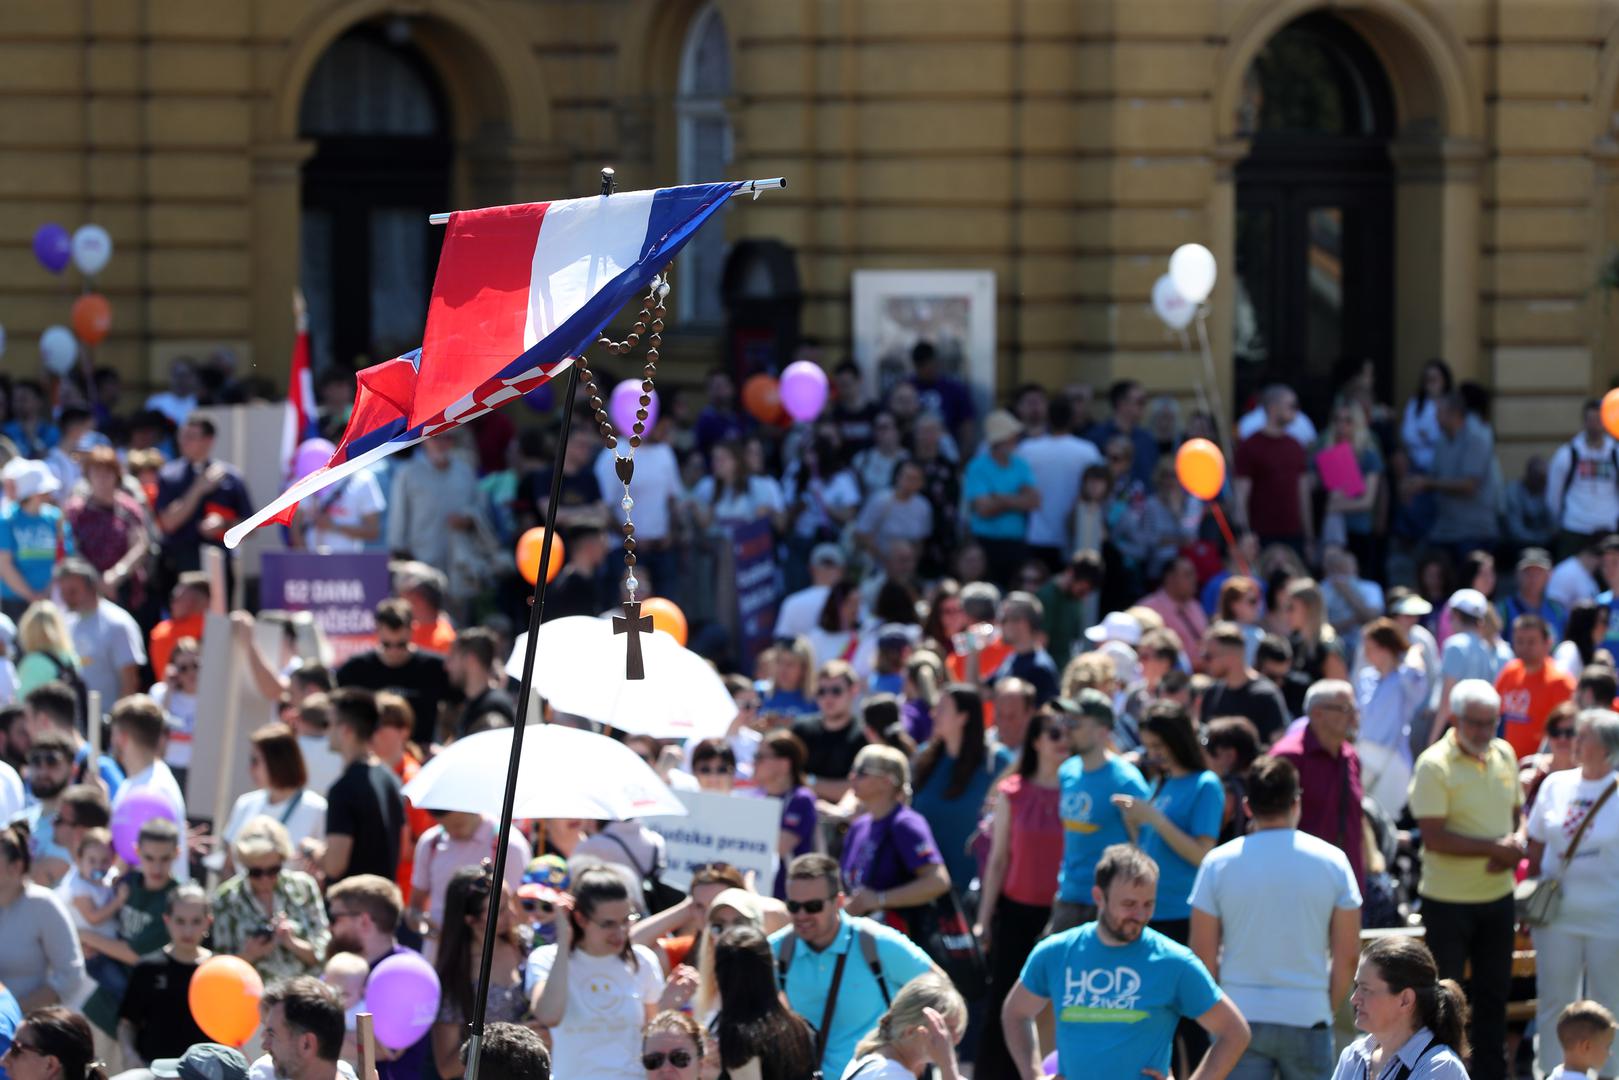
(625,400)
(134,810)
(53,247)
(1049,1066)
(803,390)
(403,996)
(311,455)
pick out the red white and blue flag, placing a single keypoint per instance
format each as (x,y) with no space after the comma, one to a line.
(298,423)
(520,292)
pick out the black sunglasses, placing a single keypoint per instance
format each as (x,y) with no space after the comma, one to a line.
(1559,733)
(680,1059)
(541,907)
(257,872)
(813,907)
(46,760)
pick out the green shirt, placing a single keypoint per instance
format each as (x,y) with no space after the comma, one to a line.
(140,926)
(237,914)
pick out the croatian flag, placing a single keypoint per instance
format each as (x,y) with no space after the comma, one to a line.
(298,423)
(521,291)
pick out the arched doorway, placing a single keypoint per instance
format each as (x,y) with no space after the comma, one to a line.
(704,126)
(1314,243)
(377,112)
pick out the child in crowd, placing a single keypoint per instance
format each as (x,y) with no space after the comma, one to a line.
(155,1019)
(95,904)
(346,973)
(1585,1030)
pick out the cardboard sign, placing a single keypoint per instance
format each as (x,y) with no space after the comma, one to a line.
(340,590)
(736,829)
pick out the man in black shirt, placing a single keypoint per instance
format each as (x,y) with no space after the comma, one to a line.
(1238,689)
(832,737)
(1022,615)
(1274,659)
(396,664)
(155,1019)
(365,814)
(475,670)
(852,413)
(580,587)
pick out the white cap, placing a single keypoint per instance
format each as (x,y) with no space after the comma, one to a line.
(35,479)
(1117,626)
(1469,602)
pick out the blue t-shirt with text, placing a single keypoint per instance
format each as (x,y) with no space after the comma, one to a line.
(31,540)
(1117,1005)
(1194,804)
(1090,821)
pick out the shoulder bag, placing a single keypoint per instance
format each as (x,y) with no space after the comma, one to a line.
(1538,899)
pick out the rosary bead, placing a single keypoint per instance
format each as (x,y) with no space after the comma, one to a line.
(632,341)
(652,355)
(629,545)
(627,503)
(628,528)
(640,414)
(595,402)
(629,560)
(612,442)
(635,440)
(646,399)
(657,326)
(631,584)
(647,386)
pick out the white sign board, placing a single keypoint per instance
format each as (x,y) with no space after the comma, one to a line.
(734,829)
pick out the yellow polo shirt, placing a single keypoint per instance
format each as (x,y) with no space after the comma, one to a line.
(1477,798)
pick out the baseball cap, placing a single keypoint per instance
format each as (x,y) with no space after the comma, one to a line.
(1535,556)
(826,555)
(999,426)
(1469,602)
(1117,626)
(204,1061)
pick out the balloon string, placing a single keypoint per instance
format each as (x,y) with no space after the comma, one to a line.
(1231,541)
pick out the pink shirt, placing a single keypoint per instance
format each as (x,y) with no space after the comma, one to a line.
(1036,841)
(1186,618)
(438,857)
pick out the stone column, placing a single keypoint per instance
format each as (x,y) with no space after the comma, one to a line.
(277,179)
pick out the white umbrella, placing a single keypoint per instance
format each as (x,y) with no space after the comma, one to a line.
(579,669)
(565,773)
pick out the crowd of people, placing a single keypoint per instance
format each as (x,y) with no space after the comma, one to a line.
(1060,771)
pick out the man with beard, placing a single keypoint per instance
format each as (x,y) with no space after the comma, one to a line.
(364,914)
(50,767)
(303,1030)
(476,670)
(1122,987)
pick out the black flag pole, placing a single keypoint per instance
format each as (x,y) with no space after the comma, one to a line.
(536,612)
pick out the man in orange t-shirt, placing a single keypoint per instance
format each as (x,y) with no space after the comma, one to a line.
(1531,686)
(188,607)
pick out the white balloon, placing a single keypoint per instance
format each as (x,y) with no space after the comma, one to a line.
(59,349)
(1192,267)
(1170,305)
(92,247)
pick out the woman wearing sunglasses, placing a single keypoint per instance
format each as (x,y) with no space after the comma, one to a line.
(1020,878)
(671,1047)
(466,907)
(595,989)
(270,914)
(53,1043)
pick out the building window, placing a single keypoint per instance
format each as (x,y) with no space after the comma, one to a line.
(705,156)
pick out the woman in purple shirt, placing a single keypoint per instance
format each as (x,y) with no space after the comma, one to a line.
(890,860)
(778,771)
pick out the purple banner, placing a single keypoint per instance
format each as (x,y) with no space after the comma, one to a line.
(753,553)
(340,590)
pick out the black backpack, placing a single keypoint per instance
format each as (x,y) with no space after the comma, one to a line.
(657,895)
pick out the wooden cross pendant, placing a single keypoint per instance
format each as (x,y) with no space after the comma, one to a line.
(634,624)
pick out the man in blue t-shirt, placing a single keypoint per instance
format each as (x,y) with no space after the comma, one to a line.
(1090,821)
(998,492)
(1119,988)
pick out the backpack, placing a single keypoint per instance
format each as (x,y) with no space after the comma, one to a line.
(656,895)
(69,676)
(1573,448)
(868,949)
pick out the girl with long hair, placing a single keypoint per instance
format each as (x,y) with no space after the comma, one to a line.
(1240,602)
(594,988)
(1317,651)
(779,772)
(792,683)
(953,774)
(1400,1003)
(45,648)
(919,691)
(1419,430)
(1586,629)
(53,1043)
(460,949)
(753,1025)
(921,1028)
(1020,877)
(836,634)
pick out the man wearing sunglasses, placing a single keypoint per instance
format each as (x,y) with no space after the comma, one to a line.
(397,664)
(832,737)
(50,768)
(843,995)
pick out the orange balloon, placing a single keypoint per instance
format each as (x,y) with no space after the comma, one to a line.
(224,997)
(1610,412)
(92,318)
(761,396)
(529,548)
(1200,467)
(666,617)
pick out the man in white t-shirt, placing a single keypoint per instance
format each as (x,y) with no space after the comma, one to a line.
(138,723)
(1574,578)
(344,518)
(1276,920)
(800,612)
(658,492)
(1058,461)
(1582,484)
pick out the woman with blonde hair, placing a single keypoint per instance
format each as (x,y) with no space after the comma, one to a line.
(890,859)
(45,647)
(792,689)
(1316,649)
(269,914)
(921,1028)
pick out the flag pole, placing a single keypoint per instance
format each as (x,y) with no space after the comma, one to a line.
(749,187)
(535,613)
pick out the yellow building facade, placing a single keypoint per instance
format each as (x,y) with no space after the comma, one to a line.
(1388,179)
